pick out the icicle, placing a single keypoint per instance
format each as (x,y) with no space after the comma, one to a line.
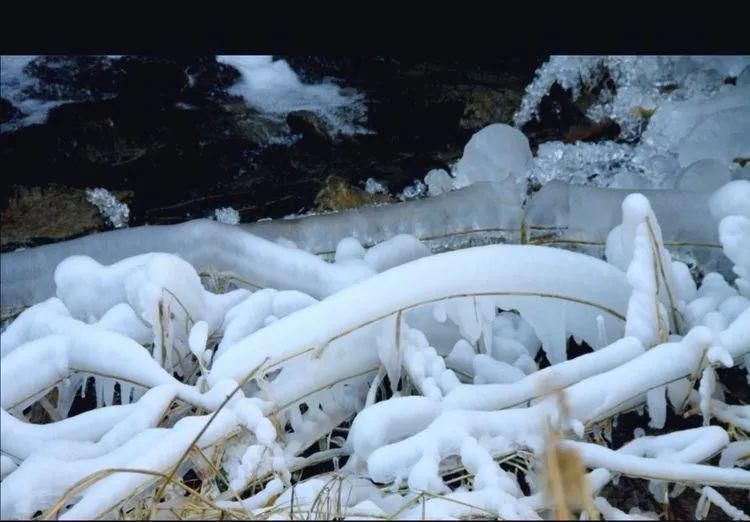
(657,407)
(706,391)
(67,394)
(108,391)
(125,391)
(99,387)
(464,314)
(138,392)
(84,385)
(602,331)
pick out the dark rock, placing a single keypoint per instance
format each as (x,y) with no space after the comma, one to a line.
(8,112)
(557,113)
(149,80)
(85,78)
(606,129)
(37,215)
(338,194)
(310,125)
(416,103)
(484,106)
(74,78)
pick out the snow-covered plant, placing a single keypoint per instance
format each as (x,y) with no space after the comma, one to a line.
(251,380)
(240,377)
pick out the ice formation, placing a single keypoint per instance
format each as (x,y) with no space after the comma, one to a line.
(117,213)
(497,153)
(373,186)
(227,215)
(438,181)
(235,354)
(672,110)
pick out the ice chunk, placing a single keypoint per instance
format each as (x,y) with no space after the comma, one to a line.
(117,213)
(723,136)
(349,249)
(489,371)
(731,199)
(743,80)
(734,232)
(591,213)
(438,181)
(374,187)
(705,175)
(657,407)
(631,180)
(227,215)
(395,251)
(739,173)
(414,191)
(26,276)
(674,120)
(583,163)
(461,357)
(498,152)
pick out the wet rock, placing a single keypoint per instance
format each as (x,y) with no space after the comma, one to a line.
(557,114)
(157,81)
(427,104)
(196,79)
(485,106)
(7,111)
(74,78)
(607,129)
(37,215)
(310,125)
(337,194)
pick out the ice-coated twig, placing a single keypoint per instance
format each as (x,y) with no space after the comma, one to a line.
(710,496)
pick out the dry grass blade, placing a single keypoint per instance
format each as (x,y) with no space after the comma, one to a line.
(162,487)
(99,475)
(564,474)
